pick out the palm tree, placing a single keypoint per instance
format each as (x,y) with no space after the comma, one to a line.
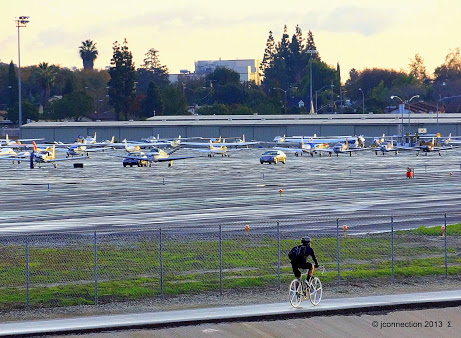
(45,78)
(88,53)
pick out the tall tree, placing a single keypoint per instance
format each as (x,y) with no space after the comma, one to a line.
(153,102)
(44,76)
(13,88)
(88,53)
(295,62)
(122,82)
(152,70)
(418,69)
(269,54)
(310,45)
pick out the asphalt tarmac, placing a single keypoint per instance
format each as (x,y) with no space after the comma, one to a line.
(105,195)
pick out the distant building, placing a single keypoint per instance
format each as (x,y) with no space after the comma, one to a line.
(248,70)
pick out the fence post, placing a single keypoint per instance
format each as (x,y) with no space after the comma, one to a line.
(95,270)
(392,247)
(445,230)
(278,253)
(27,274)
(220,259)
(337,248)
(161,261)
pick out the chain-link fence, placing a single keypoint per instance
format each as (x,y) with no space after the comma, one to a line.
(62,269)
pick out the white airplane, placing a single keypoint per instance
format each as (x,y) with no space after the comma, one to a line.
(386,147)
(80,149)
(212,149)
(279,139)
(10,154)
(87,140)
(6,142)
(339,148)
(238,142)
(154,155)
(308,147)
(47,155)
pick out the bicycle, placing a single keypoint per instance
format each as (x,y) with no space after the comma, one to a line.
(300,291)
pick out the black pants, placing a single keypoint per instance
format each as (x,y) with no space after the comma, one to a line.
(296,266)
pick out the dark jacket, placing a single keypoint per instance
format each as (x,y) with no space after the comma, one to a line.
(307,251)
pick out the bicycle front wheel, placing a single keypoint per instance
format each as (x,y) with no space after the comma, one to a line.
(315,291)
(296,293)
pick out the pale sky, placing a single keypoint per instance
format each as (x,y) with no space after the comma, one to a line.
(357,33)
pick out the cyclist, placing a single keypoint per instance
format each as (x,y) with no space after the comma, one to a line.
(301,262)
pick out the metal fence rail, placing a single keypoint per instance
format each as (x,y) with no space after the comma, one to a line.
(61,269)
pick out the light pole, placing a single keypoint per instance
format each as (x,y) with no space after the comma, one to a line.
(363,101)
(316,95)
(22,21)
(311,52)
(409,110)
(285,92)
(401,108)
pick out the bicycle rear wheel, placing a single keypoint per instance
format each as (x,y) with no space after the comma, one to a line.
(315,291)
(295,293)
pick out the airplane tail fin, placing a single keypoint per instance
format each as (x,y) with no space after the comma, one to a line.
(6,138)
(243,137)
(54,152)
(112,139)
(347,143)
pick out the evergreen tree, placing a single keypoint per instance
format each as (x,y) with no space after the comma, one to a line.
(152,70)
(269,54)
(296,62)
(310,45)
(153,102)
(121,84)
(13,88)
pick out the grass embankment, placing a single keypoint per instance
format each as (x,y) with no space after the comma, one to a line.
(64,275)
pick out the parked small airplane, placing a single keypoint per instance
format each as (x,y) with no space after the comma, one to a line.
(339,148)
(427,147)
(47,155)
(10,154)
(87,140)
(212,149)
(154,155)
(6,142)
(298,150)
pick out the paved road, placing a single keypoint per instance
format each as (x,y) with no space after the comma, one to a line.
(444,322)
(104,195)
(255,312)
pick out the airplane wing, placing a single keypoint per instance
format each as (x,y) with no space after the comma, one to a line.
(291,150)
(198,144)
(324,150)
(166,159)
(65,159)
(92,150)
(243,144)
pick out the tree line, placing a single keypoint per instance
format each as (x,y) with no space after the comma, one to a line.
(291,69)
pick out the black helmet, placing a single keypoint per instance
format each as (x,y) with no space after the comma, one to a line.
(305,240)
